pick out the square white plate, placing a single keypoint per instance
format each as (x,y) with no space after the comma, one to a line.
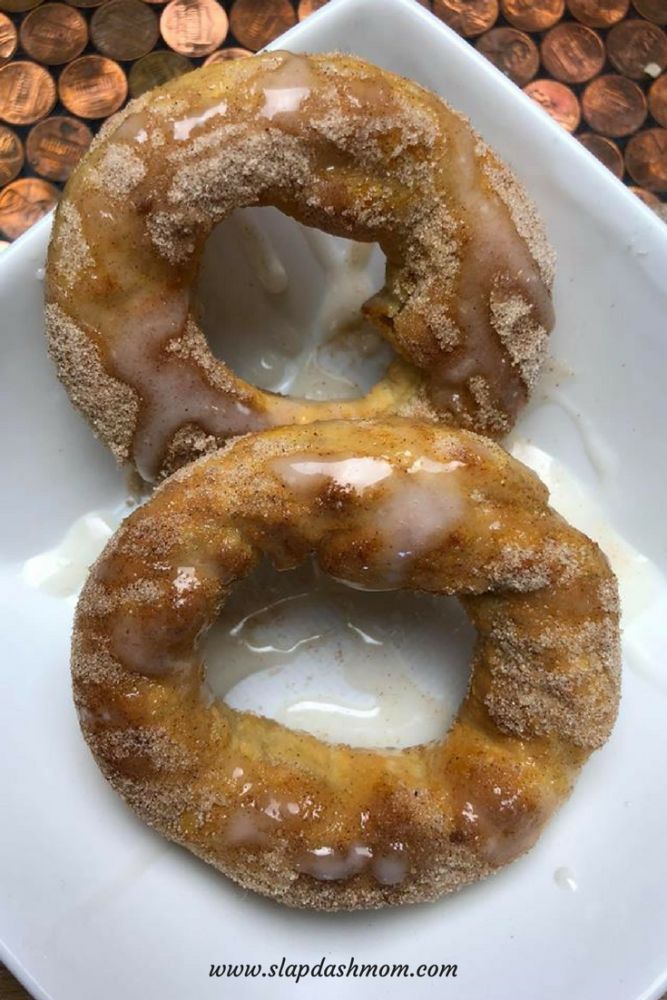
(92,904)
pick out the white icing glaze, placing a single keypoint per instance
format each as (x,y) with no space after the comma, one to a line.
(245,827)
(391,869)
(285,87)
(602,457)
(304,475)
(415,508)
(344,355)
(309,337)
(640,581)
(186,579)
(261,253)
(642,584)
(173,393)
(480,278)
(564,879)
(183,128)
(329,865)
(414,516)
(365,669)
(61,571)
(145,651)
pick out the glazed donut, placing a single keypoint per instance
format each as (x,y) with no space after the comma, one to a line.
(417,506)
(338,144)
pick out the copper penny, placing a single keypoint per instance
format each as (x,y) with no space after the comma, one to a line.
(27,92)
(155,69)
(513,52)
(657,100)
(54,34)
(533,16)
(652,10)
(557,100)
(598,13)
(23,202)
(255,23)
(223,55)
(637,49)
(308,7)
(613,105)
(605,151)
(92,87)
(647,197)
(55,146)
(18,6)
(8,39)
(646,159)
(194,27)
(11,155)
(124,29)
(467,17)
(85,3)
(572,52)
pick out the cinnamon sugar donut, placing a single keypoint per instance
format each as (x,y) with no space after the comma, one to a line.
(338,144)
(416,506)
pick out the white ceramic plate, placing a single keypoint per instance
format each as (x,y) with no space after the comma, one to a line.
(92,904)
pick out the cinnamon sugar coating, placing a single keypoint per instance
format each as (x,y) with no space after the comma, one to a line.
(384,505)
(338,144)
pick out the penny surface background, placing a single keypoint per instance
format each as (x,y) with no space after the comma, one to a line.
(596,66)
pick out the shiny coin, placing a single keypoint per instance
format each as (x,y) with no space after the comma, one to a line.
(637,49)
(255,23)
(18,6)
(598,13)
(653,10)
(467,17)
(11,155)
(124,29)
(647,197)
(55,146)
(23,202)
(605,151)
(54,33)
(308,7)
(155,69)
(194,27)
(646,159)
(557,100)
(513,52)
(533,16)
(613,105)
(224,55)
(657,100)
(92,87)
(572,52)
(8,39)
(27,92)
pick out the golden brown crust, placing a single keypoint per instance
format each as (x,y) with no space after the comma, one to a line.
(396,504)
(335,143)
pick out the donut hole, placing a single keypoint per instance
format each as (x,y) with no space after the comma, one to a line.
(280,304)
(369,669)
